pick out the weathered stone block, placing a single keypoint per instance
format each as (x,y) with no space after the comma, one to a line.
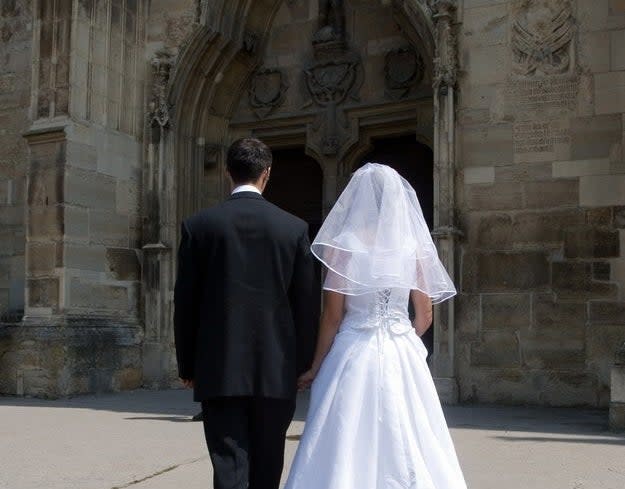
(505,311)
(617,416)
(488,64)
(43,292)
(505,271)
(586,242)
(45,186)
(554,348)
(594,50)
(566,388)
(94,296)
(486,145)
(496,349)
(607,312)
(567,317)
(89,189)
(599,216)
(42,257)
(491,231)
(85,257)
(602,190)
(544,227)
(122,263)
(127,197)
(81,155)
(619,217)
(558,193)
(524,172)
(572,280)
(601,271)
(617,50)
(579,168)
(593,137)
(479,174)
(467,309)
(499,196)
(609,93)
(485,26)
(602,341)
(76,223)
(108,228)
(46,222)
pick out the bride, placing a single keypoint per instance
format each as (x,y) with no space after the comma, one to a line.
(375,420)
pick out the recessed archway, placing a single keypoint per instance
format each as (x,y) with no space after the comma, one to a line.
(209,80)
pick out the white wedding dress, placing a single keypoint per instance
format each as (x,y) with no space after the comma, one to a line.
(375,420)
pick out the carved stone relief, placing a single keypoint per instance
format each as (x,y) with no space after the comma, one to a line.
(159,107)
(334,76)
(544,83)
(542,36)
(403,70)
(331,22)
(330,83)
(445,58)
(267,91)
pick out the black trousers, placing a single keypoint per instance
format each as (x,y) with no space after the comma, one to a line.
(246,438)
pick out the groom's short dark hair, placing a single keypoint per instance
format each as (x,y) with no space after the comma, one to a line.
(247,159)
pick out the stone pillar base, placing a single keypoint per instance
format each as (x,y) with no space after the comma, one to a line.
(617,391)
(447,389)
(159,366)
(62,356)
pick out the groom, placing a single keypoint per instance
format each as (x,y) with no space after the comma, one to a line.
(246,314)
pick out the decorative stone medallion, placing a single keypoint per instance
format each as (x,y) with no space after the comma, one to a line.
(267,91)
(330,82)
(403,70)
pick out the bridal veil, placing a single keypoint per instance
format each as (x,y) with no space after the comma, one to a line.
(376,237)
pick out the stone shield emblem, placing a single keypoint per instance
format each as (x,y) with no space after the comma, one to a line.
(267,91)
(403,70)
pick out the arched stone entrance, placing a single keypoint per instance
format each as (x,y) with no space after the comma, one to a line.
(283,72)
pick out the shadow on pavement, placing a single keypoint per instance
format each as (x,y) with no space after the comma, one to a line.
(177,406)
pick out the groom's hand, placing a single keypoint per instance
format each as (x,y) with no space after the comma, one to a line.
(306,379)
(188,383)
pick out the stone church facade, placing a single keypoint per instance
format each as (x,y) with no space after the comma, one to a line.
(507,116)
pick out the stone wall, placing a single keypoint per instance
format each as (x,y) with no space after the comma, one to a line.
(15,76)
(81,329)
(542,200)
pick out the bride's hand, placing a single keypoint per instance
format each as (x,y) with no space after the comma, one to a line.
(306,379)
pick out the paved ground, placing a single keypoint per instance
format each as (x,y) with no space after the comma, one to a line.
(143,440)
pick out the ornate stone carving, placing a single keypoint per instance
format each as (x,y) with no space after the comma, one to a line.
(267,91)
(330,83)
(159,106)
(445,58)
(201,10)
(542,36)
(331,22)
(403,70)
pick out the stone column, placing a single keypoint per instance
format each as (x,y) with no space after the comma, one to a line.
(617,394)
(81,331)
(445,233)
(158,349)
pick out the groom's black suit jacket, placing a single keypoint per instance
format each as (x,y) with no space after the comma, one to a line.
(246,305)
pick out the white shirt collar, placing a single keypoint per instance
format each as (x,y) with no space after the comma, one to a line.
(246,188)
